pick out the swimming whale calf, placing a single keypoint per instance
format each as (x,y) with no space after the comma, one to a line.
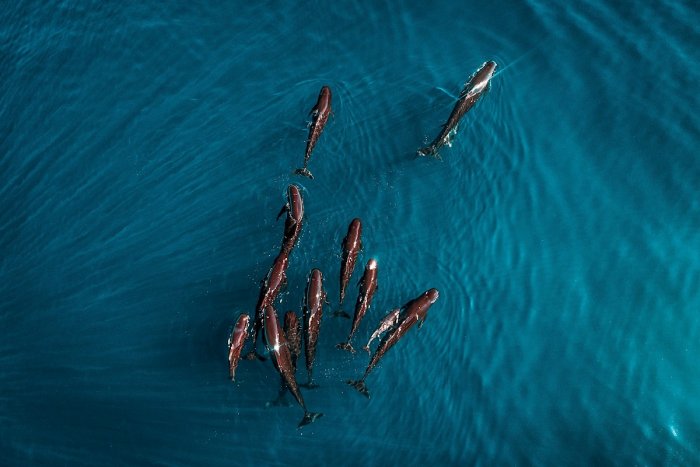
(385,324)
(473,90)
(314,299)
(295,215)
(352,244)
(414,311)
(319,115)
(368,285)
(270,287)
(235,344)
(280,353)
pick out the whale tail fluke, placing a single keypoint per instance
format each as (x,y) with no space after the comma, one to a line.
(309,417)
(360,386)
(345,346)
(341,314)
(304,172)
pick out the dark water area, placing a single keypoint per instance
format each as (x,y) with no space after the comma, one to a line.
(145,153)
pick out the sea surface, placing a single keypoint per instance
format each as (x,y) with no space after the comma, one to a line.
(145,150)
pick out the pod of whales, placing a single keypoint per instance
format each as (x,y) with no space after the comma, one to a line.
(284,344)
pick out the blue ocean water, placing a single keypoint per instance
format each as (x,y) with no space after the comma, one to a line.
(145,153)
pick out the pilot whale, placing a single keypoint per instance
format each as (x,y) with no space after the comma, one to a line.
(368,286)
(314,299)
(278,346)
(352,244)
(477,85)
(319,114)
(270,288)
(295,216)
(236,342)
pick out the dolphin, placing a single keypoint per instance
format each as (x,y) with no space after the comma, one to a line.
(319,115)
(414,311)
(281,356)
(477,85)
(352,244)
(236,342)
(368,286)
